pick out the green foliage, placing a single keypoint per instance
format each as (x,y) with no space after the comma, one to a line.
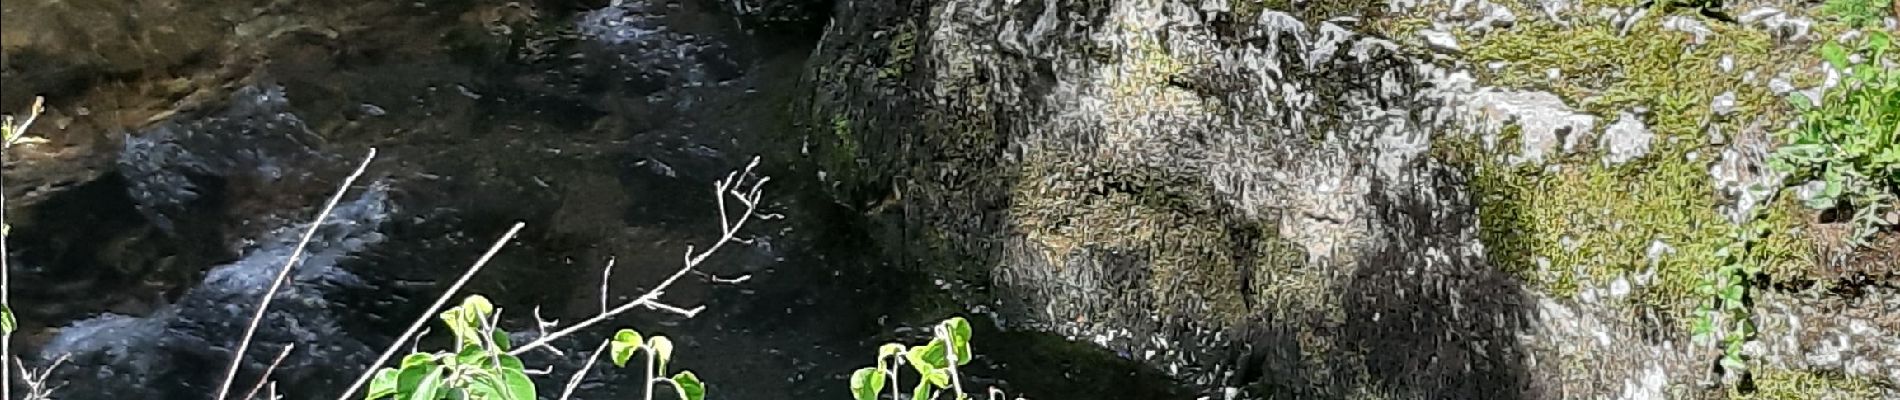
(1850,142)
(626,341)
(6,319)
(935,363)
(1725,314)
(481,368)
(1857,13)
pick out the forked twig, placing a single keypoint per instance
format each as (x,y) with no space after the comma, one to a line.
(729,229)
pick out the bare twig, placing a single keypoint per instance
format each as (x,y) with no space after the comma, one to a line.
(606,274)
(575,381)
(728,230)
(265,379)
(35,381)
(424,318)
(296,254)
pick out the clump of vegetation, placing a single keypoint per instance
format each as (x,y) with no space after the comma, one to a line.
(1858,13)
(1849,140)
(483,368)
(935,364)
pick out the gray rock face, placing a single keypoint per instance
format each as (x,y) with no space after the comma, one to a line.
(1545,124)
(1235,201)
(1626,139)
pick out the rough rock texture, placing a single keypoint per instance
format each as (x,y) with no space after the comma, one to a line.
(1238,196)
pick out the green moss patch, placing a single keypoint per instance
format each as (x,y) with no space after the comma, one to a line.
(1580,223)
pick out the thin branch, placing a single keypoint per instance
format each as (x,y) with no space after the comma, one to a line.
(575,382)
(296,254)
(265,379)
(728,230)
(606,274)
(15,132)
(675,309)
(424,318)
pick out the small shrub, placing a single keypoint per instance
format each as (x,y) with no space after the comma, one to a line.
(1858,13)
(935,364)
(1850,141)
(482,369)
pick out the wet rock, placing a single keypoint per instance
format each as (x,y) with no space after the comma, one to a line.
(174,169)
(1626,139)
(643,56)
(781,14)
(170,353)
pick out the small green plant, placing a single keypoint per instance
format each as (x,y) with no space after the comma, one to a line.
(1725,317)
(935,362)
(1857,13)
(1850,142)
(482,369)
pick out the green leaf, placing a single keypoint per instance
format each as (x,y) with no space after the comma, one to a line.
(1835,55)
(515,382)
(417,368)
(383,385)
(1877,42)
(662,349)
(1733,295)
(928,358)
(940,377)
(958,332)
(7,324)
(501,340)
(921,392)
(885,352)
(689,386)
(465,321)
(431,382)
(867,383)
(625,342)
(1801,101)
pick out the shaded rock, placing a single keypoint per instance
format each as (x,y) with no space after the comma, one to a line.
(781,14)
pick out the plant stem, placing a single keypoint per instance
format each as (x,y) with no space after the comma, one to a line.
(649,391)
(424,318)
(296,254)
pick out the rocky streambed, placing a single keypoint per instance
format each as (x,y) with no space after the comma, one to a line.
(1134,199)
